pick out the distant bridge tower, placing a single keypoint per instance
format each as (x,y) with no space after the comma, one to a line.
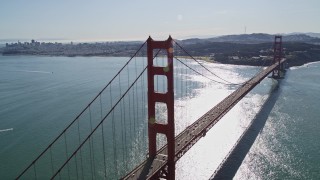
(167,98)
(277,56)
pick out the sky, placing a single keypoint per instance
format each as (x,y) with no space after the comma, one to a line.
(113,20)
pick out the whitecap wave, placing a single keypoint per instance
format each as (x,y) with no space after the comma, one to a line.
(304,66)
(4,130)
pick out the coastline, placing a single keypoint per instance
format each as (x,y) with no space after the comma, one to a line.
(260,54)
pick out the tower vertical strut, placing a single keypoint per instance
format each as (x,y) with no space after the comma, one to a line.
(167,98)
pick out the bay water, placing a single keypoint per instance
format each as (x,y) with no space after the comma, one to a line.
(40,95)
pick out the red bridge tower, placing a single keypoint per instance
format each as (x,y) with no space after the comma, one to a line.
(167,98)
(277,57)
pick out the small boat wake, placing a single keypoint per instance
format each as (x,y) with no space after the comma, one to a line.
(4,130)
(44,72)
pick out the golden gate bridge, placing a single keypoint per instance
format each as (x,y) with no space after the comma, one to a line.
(128,130)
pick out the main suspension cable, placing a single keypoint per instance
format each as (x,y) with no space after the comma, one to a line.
(199,72)
(227,82)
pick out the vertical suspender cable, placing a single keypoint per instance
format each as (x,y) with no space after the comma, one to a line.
(81,165)
(51,160)
(90,150)
(75,160)
(35,171)
(115,156)
(103,145)
(66,148)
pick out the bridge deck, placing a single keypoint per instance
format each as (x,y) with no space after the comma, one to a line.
(186,139)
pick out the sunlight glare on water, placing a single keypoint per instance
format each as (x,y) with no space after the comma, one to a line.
(205,156)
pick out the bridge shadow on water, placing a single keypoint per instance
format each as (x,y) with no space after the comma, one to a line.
(229,167)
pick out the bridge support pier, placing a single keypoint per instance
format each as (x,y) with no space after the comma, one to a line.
(167,98)
(278,73)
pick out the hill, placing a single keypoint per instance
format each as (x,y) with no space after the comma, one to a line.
(256,38)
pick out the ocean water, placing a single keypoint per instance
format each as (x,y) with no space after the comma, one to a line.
(39,96)
(288,146)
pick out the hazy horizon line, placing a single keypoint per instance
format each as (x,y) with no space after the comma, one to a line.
(88,40)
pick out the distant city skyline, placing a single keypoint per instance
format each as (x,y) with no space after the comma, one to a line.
(98,20)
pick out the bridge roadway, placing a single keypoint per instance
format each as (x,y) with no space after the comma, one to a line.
(151,168)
